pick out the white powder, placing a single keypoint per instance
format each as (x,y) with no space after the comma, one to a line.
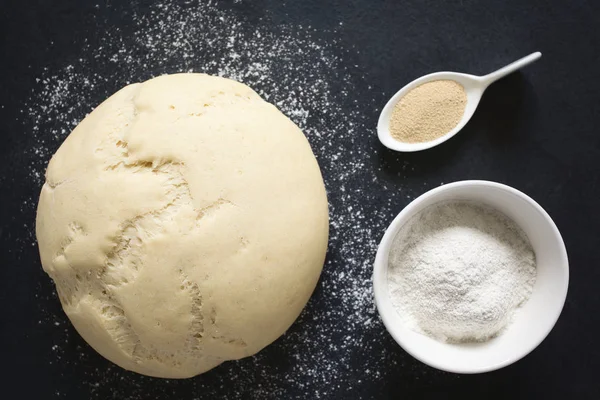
(458,271)
(312,76)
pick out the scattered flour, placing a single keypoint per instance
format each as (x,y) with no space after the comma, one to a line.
(309,79)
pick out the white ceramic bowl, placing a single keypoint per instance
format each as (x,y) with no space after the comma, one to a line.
(532,322)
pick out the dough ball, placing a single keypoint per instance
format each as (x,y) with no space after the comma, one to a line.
(184,223)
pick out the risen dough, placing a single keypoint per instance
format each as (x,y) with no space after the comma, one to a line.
(184,222)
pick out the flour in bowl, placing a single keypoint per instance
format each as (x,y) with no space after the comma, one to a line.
(458,271)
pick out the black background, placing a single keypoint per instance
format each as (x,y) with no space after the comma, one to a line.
(537,131)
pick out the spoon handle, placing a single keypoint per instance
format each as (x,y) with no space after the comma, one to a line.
(502,72)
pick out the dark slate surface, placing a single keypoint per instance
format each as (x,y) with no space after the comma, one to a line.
(536,131)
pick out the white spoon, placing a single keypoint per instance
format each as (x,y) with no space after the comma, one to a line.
(474,86)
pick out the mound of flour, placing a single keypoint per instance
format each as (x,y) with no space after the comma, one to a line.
(458,272)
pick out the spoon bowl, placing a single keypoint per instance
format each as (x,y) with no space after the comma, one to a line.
(474,87)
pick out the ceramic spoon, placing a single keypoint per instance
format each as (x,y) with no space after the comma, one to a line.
(474,87)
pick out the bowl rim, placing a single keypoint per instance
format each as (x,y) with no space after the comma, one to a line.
(380,276)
